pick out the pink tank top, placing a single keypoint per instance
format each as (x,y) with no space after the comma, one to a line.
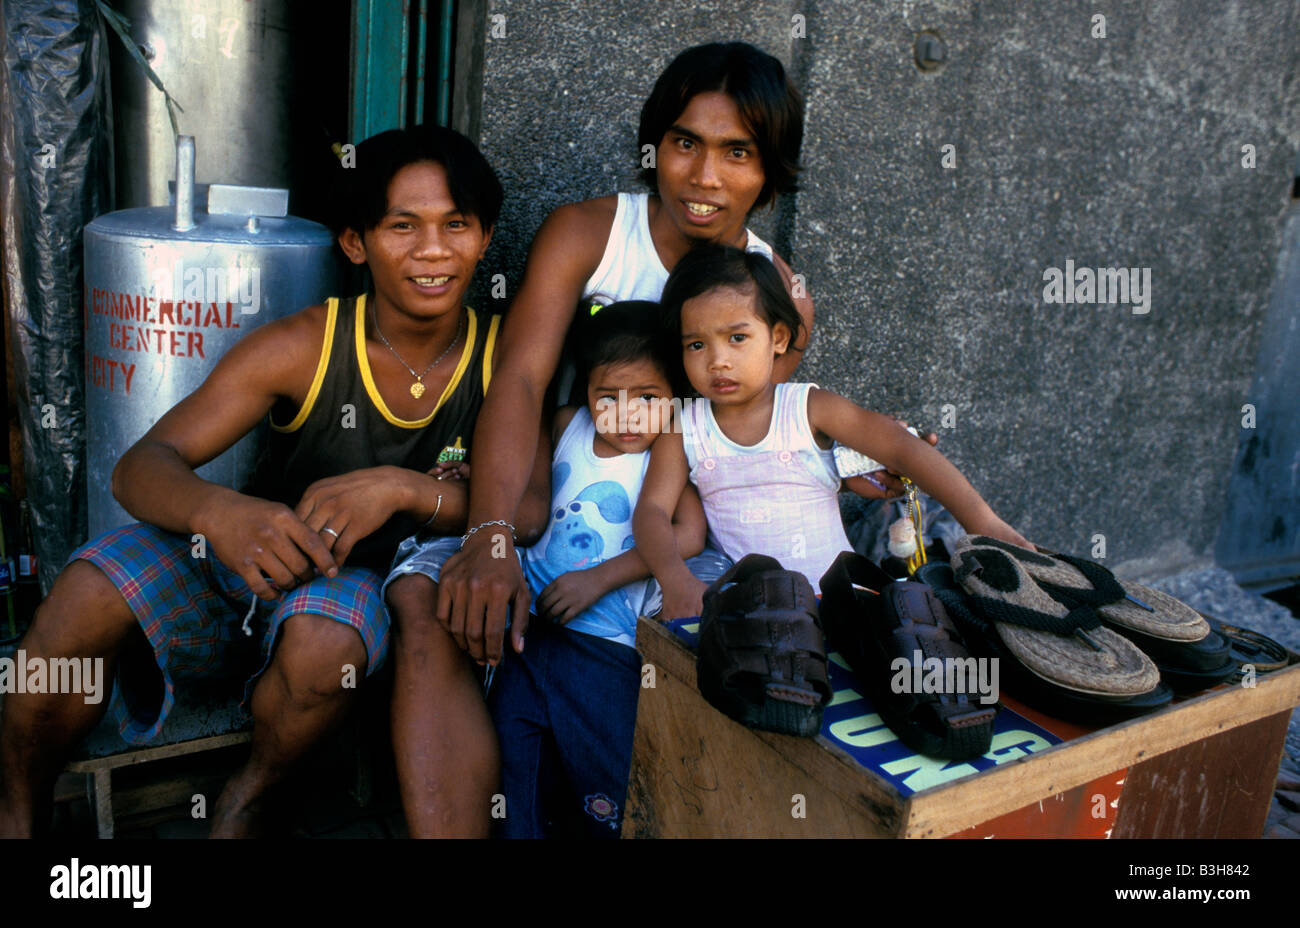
(777,497)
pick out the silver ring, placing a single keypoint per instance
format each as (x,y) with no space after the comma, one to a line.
(331,531)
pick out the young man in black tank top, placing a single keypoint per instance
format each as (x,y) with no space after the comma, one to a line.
(421,212)
(726,126)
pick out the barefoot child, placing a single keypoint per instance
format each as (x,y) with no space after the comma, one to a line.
(565,706)
(758,452)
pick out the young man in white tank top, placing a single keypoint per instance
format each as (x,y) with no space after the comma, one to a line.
(728,150)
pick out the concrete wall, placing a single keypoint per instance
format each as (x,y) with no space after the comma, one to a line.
(1260,537)
(1122,151)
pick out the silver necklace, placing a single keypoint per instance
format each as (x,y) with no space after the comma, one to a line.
(417,388)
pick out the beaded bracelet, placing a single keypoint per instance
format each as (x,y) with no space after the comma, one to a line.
(464,538)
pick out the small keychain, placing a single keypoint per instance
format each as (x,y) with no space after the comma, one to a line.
(906,540)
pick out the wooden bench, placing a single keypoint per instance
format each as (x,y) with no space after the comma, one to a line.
(99,789)
(199,722)
(1202,767)
(206,721)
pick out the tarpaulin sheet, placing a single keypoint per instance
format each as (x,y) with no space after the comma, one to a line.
(55,147)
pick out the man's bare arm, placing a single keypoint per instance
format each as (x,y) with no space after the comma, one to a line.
(155,480)
(564,254)
(477,586)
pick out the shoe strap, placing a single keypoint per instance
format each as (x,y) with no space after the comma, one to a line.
(1082,617)
(762,620)
(734,589)
(1105,589)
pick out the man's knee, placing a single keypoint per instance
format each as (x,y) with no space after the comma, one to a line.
(319,658)
(412,597)
(411,600)
(84,614)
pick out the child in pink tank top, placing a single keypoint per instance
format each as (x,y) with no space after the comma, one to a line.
(758,452)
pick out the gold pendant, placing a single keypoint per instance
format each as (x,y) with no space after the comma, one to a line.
(417,389)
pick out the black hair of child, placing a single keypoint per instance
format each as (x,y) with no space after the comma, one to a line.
(769,104)
(474,186)
(619,333)
(710,267)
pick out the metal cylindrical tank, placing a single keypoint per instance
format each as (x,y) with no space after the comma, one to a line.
(231,64)
(164,302)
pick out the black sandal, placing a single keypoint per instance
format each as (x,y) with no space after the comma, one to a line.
(873,621)
(762,654)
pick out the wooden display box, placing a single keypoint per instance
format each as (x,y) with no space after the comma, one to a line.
(1202,767)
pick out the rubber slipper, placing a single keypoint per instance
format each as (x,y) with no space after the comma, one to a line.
(1066,647)
(1174,635)
(1040,693)
(873,622)
(1249,648)
(762,652)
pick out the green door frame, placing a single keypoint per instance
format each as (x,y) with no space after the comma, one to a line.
(382,51)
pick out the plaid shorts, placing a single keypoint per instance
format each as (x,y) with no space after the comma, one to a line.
(203,622)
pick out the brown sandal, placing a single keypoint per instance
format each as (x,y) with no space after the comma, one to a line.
(762,655)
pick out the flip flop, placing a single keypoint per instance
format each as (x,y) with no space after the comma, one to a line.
(1035,690)
(1066,647)
(762,653)
(1174,635)
(873,621)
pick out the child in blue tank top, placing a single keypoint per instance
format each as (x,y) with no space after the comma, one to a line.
(565,708)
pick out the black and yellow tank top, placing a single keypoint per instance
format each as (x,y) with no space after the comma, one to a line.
(344,424)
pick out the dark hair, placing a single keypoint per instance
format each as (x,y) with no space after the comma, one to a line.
(628,330)
(769,105)
(711,266)
(474,186)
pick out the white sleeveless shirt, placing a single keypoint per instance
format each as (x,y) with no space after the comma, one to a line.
(630,268)
(778,497)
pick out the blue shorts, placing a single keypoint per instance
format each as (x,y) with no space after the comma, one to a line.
(420,555)
(203,622)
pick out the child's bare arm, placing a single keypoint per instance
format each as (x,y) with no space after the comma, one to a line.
(903,453)
(689,526)
(652,520)
(660,494)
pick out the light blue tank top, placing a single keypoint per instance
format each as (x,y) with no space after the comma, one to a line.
(592,499)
